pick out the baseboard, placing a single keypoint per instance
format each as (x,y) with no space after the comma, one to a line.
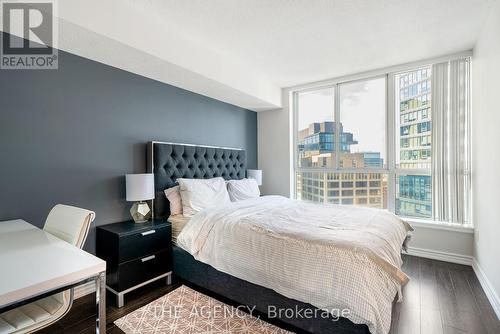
(487,287)
(441,256)
(84,289)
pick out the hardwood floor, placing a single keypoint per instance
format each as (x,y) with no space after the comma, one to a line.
(440,298)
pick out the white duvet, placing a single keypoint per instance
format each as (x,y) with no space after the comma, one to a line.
(331,256)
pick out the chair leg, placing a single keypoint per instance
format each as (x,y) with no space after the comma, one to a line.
(100,292)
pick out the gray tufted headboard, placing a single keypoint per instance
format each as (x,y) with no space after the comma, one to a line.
(169,161)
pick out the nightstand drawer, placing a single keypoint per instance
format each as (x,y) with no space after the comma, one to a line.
(140,270)
(134,254)
(138,245)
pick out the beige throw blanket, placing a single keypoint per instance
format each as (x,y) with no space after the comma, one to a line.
(332,256)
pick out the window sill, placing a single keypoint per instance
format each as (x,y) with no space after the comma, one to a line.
(439,225)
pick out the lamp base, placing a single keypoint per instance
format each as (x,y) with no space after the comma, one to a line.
(140,212)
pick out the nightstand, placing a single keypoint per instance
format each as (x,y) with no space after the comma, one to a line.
(135,254)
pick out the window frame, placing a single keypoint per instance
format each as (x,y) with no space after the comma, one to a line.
(391,140)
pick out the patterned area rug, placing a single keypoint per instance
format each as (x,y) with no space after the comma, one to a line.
(185,310)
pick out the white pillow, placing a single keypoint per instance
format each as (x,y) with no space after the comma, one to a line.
(199,194)
(242,189)
(174,197)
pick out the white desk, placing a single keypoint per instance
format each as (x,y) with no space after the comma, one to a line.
(35,264)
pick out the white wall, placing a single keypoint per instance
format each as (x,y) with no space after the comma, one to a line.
(446,245)
(274,153)
(485,151)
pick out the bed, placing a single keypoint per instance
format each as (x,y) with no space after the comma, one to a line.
(212,259)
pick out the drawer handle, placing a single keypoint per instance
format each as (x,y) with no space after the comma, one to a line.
(148,258)
(148,232)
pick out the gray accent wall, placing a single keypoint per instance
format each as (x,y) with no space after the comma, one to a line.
(70,135)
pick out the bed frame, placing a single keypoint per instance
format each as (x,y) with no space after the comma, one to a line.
(169,161)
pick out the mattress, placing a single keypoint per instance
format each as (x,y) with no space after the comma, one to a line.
(242,292)
(337,258)
(178,222)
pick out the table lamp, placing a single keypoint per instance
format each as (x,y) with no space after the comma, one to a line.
(140,188)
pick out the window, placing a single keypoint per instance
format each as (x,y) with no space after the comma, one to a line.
(332,139)
(414,196)
(355,146)
(363,142)
(316,135)
(413,191)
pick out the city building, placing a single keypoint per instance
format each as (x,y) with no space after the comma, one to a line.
(316,149)
(414,191)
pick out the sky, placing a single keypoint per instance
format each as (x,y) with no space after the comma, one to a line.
(362,112)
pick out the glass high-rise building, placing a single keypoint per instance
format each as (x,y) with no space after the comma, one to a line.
(316,148)
(414,191)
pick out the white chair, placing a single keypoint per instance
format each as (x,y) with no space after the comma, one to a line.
(72,225)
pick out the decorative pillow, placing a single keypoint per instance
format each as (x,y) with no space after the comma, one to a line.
(199,194)
(174,197)
(242,189)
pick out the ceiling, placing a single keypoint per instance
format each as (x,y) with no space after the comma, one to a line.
(300,41)
(244,51)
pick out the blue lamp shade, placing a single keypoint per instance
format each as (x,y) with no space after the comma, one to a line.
(255,174)
(140,187)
